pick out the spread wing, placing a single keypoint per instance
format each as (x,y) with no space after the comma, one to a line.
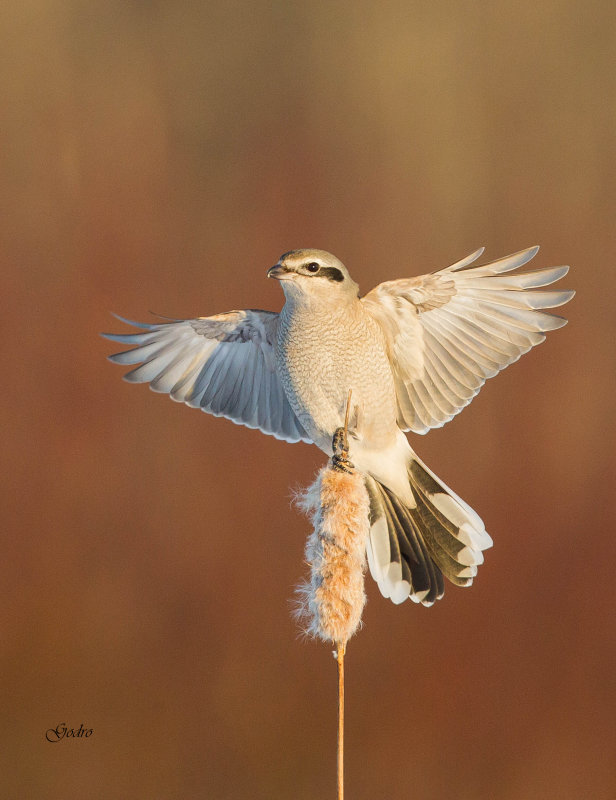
(449,331)
(222,364)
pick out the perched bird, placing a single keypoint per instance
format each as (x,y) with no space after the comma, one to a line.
(413,353)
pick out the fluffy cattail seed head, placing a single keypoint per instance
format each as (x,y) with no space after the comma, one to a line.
(332,600)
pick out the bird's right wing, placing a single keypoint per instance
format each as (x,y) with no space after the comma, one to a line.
(222,364)
(447,332)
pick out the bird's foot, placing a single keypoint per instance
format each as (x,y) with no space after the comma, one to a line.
(340,446)
(342,464)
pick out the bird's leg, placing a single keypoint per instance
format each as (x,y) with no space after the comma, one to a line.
(340,444)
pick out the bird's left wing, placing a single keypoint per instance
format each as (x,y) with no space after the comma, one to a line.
(447,332)
(222,364)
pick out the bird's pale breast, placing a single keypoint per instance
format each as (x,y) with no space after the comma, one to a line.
(323,353)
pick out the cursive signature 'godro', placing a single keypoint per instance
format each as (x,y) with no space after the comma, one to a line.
(61,731)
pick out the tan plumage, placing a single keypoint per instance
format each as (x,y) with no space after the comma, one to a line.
(414,352)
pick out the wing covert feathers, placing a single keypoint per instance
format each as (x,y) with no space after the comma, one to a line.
(449,331)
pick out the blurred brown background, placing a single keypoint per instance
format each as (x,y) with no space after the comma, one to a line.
(161,156)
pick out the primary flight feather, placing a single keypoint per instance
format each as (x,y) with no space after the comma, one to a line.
(413,352)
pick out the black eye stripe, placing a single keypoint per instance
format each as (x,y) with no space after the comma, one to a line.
(332,274)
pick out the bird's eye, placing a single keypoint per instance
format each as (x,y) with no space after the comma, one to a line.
(313,267)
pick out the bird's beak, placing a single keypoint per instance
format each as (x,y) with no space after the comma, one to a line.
(279,272)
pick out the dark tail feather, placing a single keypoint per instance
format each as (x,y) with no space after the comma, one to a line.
(411,549)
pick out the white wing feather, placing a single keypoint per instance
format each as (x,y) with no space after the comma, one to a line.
(447,332)
(223,364)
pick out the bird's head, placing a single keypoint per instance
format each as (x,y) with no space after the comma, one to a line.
(313,274)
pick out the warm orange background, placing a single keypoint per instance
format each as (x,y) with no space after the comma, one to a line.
(161,156)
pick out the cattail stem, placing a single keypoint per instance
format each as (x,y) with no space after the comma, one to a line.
(341,648)
(331,602)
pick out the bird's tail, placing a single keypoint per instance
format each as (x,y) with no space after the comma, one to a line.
(411,549)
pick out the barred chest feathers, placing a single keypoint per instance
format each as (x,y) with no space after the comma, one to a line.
(322,353)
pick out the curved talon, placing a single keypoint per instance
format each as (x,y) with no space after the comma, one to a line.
(342,464)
